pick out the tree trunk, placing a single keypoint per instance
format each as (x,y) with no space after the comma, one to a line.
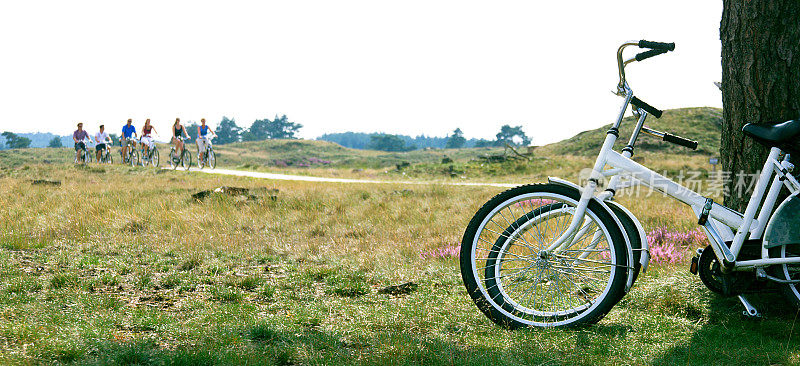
(760,80)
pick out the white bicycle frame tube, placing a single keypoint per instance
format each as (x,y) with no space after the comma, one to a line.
(588,191)
(743,224)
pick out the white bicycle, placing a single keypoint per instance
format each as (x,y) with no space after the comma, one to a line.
(207,157)
(562,255)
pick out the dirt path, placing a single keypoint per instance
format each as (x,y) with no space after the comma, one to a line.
(302,178)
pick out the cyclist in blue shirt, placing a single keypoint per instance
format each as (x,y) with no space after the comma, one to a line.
(128,132)
(203,142)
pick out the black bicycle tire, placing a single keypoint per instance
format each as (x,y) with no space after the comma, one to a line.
(618,280)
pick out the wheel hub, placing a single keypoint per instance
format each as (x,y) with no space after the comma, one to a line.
(542,260)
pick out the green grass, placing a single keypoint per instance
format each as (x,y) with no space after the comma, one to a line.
(118,265)
(296,280)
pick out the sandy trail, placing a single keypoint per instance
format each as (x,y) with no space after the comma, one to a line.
(303,178)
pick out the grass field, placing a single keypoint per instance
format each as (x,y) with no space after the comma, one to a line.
(119,265)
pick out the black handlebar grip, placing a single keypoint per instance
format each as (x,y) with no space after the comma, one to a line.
(647,54)
(638,103)
(680,141)
(657,45)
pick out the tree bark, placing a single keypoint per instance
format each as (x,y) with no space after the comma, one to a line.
(760,80)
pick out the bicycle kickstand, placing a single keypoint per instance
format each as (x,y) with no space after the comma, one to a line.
(749,310)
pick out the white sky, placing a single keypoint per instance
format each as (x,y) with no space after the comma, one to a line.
(409,67)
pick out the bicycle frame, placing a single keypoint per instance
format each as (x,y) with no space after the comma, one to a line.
(208,146)
(717,221)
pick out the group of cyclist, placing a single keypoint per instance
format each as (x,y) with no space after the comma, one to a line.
(129,137)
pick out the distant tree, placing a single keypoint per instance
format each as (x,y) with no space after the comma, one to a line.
(55,142)
(15,142)
(227,131)
(456,140)
(353,140)
(114,138)
(278,128)
(386,142)
(258,131)
(361,140)
(281,128)
(191,129)
(512,136)
(485,143)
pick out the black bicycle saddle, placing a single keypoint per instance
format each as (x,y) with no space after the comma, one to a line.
(782,135)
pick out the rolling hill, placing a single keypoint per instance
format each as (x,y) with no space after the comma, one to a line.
(702,124)
(302,153)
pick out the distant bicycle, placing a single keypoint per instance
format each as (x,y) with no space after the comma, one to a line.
(184,160)
(105,156)
(83,156)
(150,157)
(132,157)
(207,157)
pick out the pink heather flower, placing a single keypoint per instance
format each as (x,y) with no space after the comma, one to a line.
(669,246)
(447,251)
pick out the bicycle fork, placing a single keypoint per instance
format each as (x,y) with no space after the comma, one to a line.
(567,238)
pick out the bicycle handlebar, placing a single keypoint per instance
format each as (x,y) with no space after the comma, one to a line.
(647,54)
(666,47)
(655,49)
(668,137)
(638,103)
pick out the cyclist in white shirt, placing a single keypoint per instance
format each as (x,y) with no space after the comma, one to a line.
(101,138)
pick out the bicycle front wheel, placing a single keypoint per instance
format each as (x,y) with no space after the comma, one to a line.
(173,159)
(186,159)
(154,158)
(515,281)
(212,159)
(133,157)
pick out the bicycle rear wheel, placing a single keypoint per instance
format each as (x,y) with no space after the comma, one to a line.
(200,159)
(782,238)
(516,282)
(790,272)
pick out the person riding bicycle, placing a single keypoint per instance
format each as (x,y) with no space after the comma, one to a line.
(100,138)
(202,138)
(79,136)
(146,140)
(178,131)
(128,132)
